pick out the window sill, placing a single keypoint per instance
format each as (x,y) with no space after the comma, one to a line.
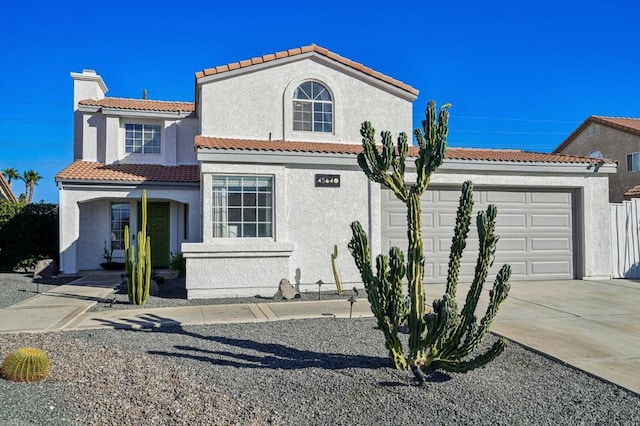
(235,247)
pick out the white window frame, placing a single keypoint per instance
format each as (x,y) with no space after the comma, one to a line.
(633,162)
(320,112)
(242,206)
(118,222)
(145,130)
(595,154)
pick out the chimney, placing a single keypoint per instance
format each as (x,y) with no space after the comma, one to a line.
(87,85)
(144,94)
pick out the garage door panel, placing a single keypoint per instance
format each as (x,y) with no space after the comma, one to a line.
(519,270)
(535,229)
(506,198)
(511,220)
(551,220)
(446,220)
(446,197)
(513,245)
(551,244)
(544,268)
(553,198)
(396,219)
(428,271)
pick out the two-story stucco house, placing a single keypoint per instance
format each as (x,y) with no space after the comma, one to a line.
(257,180)
(614,138)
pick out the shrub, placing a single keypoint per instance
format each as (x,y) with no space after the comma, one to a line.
(27,233)
(178,263)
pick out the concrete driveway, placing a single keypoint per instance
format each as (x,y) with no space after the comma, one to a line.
(591,325)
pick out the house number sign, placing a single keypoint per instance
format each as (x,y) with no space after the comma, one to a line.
(328,181)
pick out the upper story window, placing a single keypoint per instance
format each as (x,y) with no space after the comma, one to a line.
(142,138)
(312,108)
(593,130)
(595,154)
(633,162)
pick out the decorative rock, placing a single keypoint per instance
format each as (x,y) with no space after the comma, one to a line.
(45,269)
(286,291)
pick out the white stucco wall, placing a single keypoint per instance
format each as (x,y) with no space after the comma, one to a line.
(308,221)
(253,105)
(103,139)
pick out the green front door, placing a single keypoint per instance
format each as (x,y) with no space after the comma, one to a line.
(158,230)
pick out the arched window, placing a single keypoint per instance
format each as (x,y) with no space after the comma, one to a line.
(595,154)
(312,108)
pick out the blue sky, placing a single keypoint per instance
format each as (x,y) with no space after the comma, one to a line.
(520,74)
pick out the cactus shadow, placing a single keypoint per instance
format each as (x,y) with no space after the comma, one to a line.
(244,353)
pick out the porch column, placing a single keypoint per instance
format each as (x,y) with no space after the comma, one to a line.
(69,226)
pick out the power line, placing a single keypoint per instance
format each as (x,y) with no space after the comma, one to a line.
(532,120)
(32,120)
(35,103)
(508,132)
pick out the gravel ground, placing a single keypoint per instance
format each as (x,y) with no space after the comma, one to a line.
(16,287)
(303,372)
(174,293)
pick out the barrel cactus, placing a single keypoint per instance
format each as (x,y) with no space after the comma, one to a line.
(25,365)
(444,337)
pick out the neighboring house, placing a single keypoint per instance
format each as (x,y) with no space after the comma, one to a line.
(258,179)
(614,138)
(5,190)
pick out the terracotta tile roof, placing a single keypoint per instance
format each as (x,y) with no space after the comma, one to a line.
(632,192)
(5,190)
(625,124)
(141,104)
(299,51)
(91,171)
(339,148)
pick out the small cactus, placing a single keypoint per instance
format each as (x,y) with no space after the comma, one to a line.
(25,365)
(336,272)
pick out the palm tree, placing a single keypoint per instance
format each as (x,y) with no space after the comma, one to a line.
(31,178)
(10,174)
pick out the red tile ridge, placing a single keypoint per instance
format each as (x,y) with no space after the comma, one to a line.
(301,50)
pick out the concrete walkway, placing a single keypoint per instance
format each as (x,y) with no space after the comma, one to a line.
(591,325)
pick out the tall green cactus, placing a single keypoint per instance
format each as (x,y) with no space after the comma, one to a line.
(138,262)
(443,338)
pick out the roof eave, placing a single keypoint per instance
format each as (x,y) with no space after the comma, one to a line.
(347,159)
(411,94)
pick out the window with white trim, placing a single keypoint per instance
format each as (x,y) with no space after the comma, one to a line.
(312,108)
(595,154)
(142,138)
(633,162)
(119,219)
(242,206)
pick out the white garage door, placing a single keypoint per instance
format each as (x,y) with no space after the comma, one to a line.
(535,229)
